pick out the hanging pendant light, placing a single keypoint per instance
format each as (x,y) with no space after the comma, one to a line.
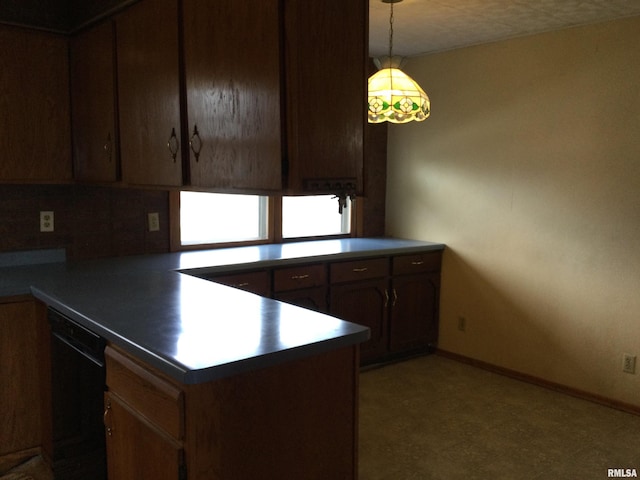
(393,95)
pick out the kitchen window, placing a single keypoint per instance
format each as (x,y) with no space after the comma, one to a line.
(213,218)
(216,219)
(314,216)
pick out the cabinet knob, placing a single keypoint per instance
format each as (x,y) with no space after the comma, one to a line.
(173,144)
(195,143)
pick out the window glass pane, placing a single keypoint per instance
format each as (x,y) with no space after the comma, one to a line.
(310,216)
(221,218)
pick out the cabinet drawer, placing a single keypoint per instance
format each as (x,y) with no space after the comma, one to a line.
(255,282)
(296,278)
(359,270)
(417,263)
(148,394)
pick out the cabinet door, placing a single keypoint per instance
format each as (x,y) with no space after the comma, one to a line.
(364,303)
(414,312)
(19,374)
(34,113)
(311,298)
(93,104)
(232,72)
(135,448)
(149,93)
(326,82)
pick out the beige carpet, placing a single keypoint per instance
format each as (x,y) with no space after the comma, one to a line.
(435,418)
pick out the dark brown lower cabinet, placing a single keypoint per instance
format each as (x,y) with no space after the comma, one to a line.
(296,420)
(144,421)
(135,447)
(414,312)
(21,357)
(364,303)
(396,296)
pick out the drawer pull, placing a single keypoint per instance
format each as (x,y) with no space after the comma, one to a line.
(358,270)
(242,284)
(299,277)
(419,262)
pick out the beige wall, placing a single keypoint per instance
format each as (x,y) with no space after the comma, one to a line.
(529,170)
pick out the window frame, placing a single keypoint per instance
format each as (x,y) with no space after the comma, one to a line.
(274,225)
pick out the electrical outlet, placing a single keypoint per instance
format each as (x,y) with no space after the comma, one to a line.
(628,363)
(46,221)
(153,222)
(462,324)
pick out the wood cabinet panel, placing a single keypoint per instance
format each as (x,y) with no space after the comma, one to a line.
(325,56)
(414,312)
(135,448)
(34,106)
(149,93)
(95,136)
(232,72)
(364,303)
(20,364)
(296,420)
(152,397)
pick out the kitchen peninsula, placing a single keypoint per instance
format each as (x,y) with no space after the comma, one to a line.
(215,381)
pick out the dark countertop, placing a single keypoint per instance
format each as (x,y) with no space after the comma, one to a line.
(195,330)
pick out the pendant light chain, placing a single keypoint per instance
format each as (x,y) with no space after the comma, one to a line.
(391,31)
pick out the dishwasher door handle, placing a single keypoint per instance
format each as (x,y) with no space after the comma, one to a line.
(78,348)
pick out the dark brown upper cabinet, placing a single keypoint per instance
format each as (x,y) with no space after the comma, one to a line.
(241,95)
(95,149)
(325,58)
(34,112)
(232,77)
(149,93)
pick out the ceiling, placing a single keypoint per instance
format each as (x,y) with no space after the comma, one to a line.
(428,26)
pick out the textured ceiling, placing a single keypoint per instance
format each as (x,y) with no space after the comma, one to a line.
(427,26)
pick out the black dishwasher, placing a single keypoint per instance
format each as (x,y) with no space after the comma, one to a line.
(77,399)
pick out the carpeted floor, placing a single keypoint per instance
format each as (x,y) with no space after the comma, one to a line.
(432,418)
(27,468)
